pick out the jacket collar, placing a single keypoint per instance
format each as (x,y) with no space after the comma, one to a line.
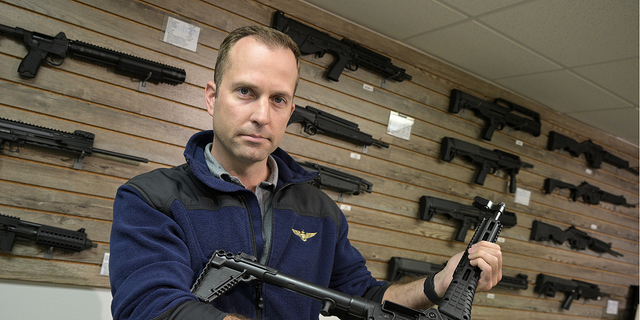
(289,170)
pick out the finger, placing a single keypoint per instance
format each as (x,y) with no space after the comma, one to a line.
(486,280)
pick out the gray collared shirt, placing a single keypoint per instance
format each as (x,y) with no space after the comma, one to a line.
(264,192)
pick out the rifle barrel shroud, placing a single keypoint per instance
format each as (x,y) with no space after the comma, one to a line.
(486,160)
(78,142)
(317,121)
(337,180)
(225,270)
(346,53)
(42,46)
(12,228)
(496,115)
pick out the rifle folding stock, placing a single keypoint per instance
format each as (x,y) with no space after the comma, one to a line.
(317,121)
(403,267)
(486,160)
(578,239)
(594,153)
(572,289)
(45,48)
(496,115)
(589,194)
(346,53)
(469,216)
(337,180)
(12,229)
(78,142)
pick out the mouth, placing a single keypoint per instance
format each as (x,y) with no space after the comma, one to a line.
(255,138)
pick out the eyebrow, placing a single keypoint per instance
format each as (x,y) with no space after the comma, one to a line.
(245,84)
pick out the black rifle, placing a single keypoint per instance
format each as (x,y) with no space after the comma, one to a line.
(44,48)
(572,289)
(345,52)
(337,180)
(318,121)
(405,267)
(469,216)
(578,239)
(496,115)
(486,160)
(589,194)
(79,142)
(224,270)
(594,153)
(12,229)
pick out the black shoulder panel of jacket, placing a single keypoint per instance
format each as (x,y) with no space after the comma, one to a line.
(161,187)
(307,200)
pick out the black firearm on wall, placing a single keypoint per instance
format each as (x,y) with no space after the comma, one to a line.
(469,216)
(12,229)
(346,53)
(78,142)
(589,194)
(594,153)
(336,180)
(486,160)
(405,267)
(225,270)
(317,121)
(497,115)
(47,48)
(572,289)
(578,239)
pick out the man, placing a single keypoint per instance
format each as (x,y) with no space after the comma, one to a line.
(239,192)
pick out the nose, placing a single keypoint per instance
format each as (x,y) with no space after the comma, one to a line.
(261,112)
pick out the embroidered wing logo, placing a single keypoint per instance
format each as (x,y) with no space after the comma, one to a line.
(303,235)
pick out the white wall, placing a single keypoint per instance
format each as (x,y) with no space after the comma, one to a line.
(21,300)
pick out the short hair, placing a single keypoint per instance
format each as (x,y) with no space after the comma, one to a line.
(269,37)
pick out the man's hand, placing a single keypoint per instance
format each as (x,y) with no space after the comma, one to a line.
(484,255)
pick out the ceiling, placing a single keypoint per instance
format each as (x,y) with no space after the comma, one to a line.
(579,58)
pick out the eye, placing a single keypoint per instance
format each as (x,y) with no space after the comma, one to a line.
(244,91)
(279,100)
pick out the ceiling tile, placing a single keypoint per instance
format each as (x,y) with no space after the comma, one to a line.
(564,92)
(475,48)
(620,77)
(622,123)
(574,33)
(385,17)
(475,8)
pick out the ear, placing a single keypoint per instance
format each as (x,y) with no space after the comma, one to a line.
(293,108)
(210,96)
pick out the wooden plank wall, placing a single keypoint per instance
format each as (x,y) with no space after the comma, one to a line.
(41,186)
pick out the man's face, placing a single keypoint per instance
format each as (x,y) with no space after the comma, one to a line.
(253,104)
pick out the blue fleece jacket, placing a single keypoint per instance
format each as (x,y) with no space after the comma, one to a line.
(168,222)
